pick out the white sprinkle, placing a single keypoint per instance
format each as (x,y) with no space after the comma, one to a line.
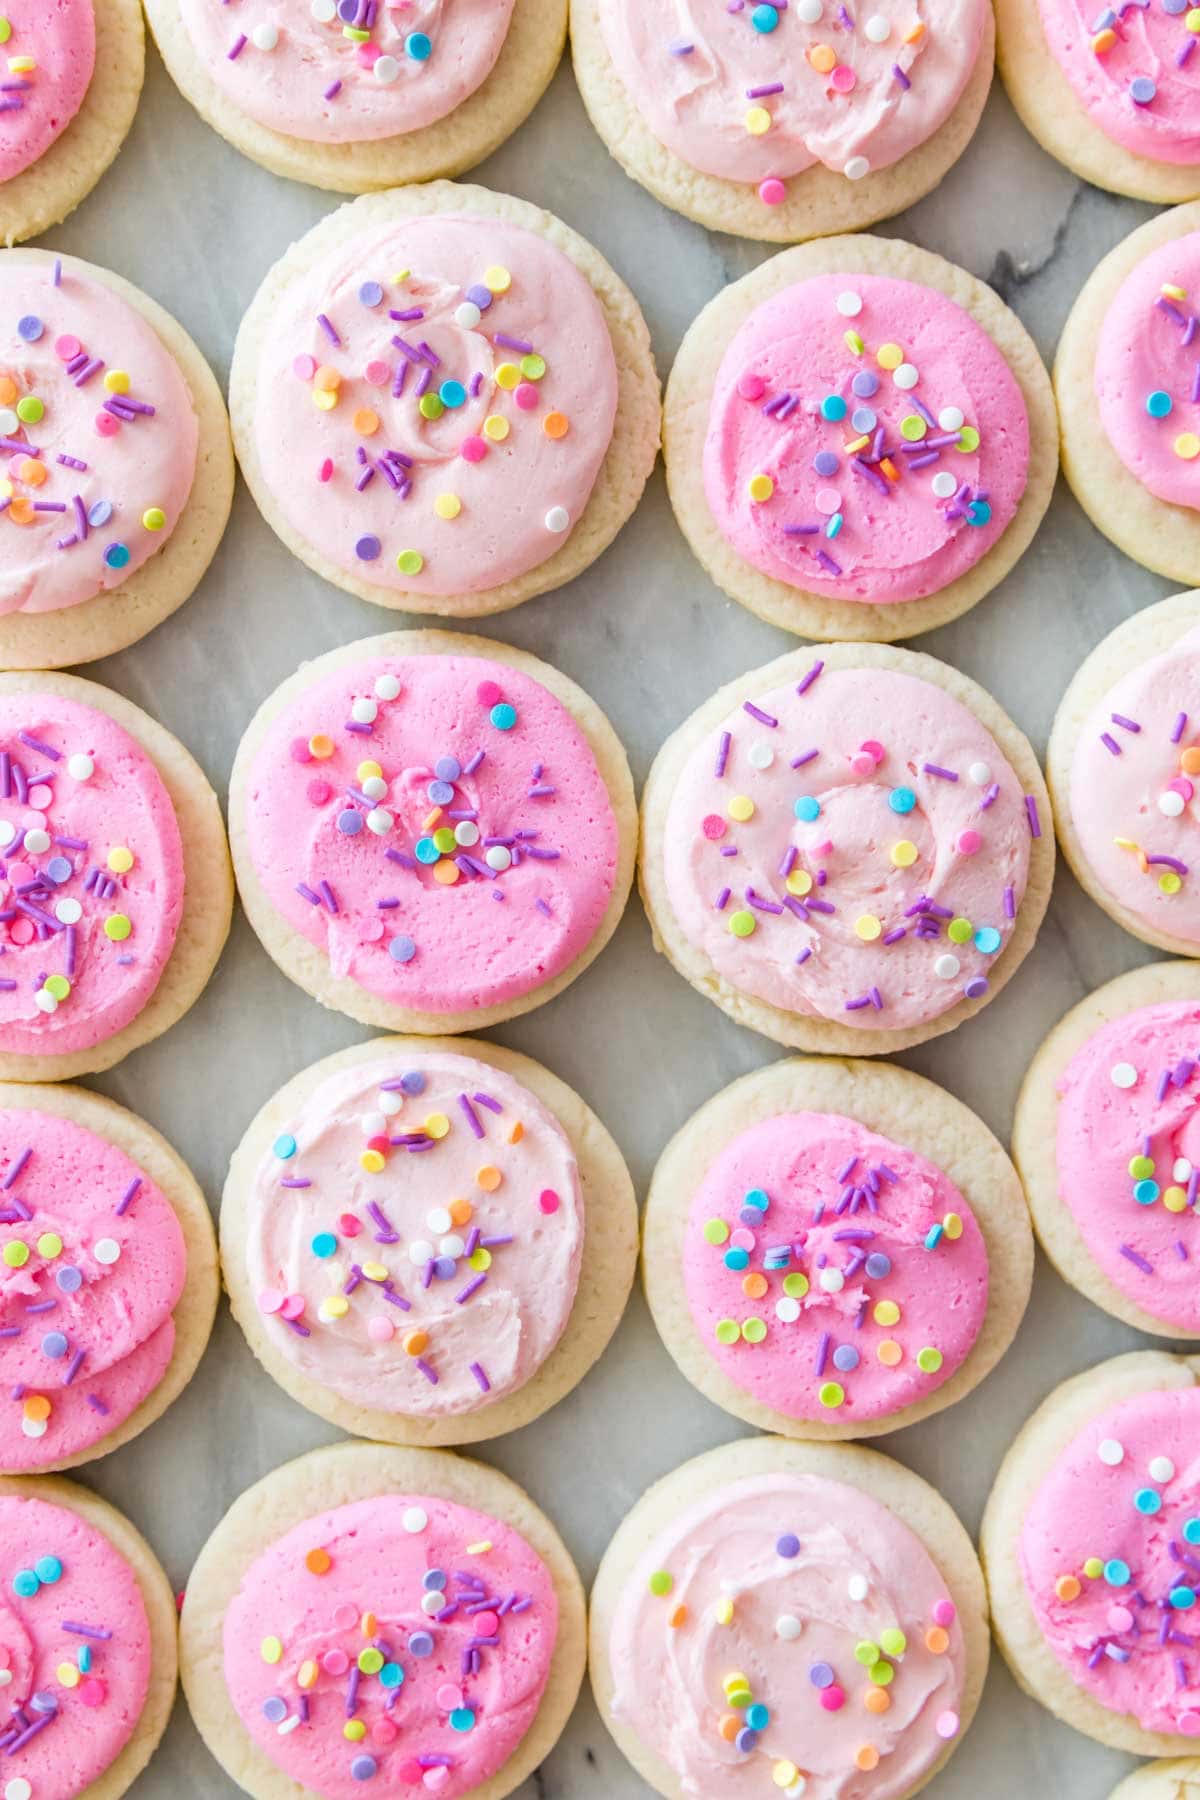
(849,304)
(264,37)
(788,1627)
(1123,1075)
(951,418)
(68,912)
(787,1309)
(944,484)
(386,70)
(858,1587)
(37,840)
(420,1253)
(906,376)
(946,967)
(452,1246)
(288,1725)
(761,755)
(372,1124)
(832,1280)
(1182,1169)
(979,772)
(106,1251)
(390,1102)
(364,712)
(387,687)
(10,424)
(324,11)
(1110,1452)
(80,767)
(856,168)
(878,29)
(558,519)
(432,1603)
(374,787)
(380,821)
(34,1428)
(8,831)
(808,11)
(45,1002)
(414,1520)
(438,1219)
(1161,1468)
(6,1676)
(467,315)
(498,857)
(1170,804)
(466,832)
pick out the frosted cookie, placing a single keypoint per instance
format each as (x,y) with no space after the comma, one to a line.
(87,1644)
(372,1619)
(783,122)
(835,1249)
(1178,1779)
(108,1276)
(1087,1543)
(848,853)
(444,400)
(1122,762)
(860,439)
(428,1241)
(115,888)
(117,468)
(801,1618)
(432,832)
(1104,1136)
(1111,92)
(73,78)
(361,94)
(1125,377)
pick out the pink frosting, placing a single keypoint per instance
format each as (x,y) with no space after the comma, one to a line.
(526,882)
(1107,1552)
(809,909)
(75,1651)
(50,49)
(499,322)
(1144,359)
(112,456)
(75,792)
(1128,1132)
(851,1270)
(816,1574)
(458,1690)
(1144,44)
(294,66)
(853,462)
(698,74)
(92,1262)
(445,1287)
(1132,799)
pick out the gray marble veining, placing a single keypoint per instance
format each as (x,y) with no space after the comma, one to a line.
(644,630)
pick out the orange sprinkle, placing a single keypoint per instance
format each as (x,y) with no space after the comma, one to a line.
(822,58)
(36,1407)
(318,1562)
(321,746)
(517,1132)
(431,819)
(31,470)
(556,425)
(415,1342)
(937,1641)
(867,1758)
(445,873)
(20,510)
(729,1727)
(754,1286)
(1189,762)
(488,1178)
(889,468)
(877,1700)
(889,1353)
(366,422)
(461,1212)
(368,1624)
(8,390)
(677,1617)
(1068,1587)
(915,33)
(328,379)
(1103,42)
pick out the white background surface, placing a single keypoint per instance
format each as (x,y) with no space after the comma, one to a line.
(194,224)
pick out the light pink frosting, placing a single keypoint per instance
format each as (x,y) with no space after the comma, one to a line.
(63,884)
(429,319)
(1144,348)
(1149,44)
(278,59)
(862,1273)
(62,346)
(94,1711)
(814,1569)
(85,1319)
(855,508)
(445,1310)
(533,791)
(1127,1099)
(694,70)
(464,1697)
(1125,1492)
(59,38)
(1122,798)
(849,740)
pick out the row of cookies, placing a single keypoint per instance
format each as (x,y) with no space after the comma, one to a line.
(860,439)
(773,121)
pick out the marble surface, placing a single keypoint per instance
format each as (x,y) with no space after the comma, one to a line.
(191,221)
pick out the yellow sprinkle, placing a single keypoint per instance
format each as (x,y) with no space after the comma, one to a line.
(903,854)
(758,121)
(799,882)
(308,1674)
(120,860)
(723,1610)
(1187,445)
(337,1306)
(485,1544)
(952,1225)
(272,1650)
(507,375)
(760,487)
(369,771)
(354,1730)
(325,399)
(889,356)
(495,427)
(858,444)
(117,381)
(497,279)
(1173,292)
(67,1674)
(741,808)
(22,65)
(372,1161)
(447,506)
(854,343)
(437,1125)
(867,927)
(375,1271)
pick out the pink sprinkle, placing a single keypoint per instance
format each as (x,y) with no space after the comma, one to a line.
(325,472)
(381,1331)
(304,367)
(319,792)
(107,425)
(270,1300)
(368,55)
(874,750)
(449,1697)
(946,1724)
(772,191)
(488,693)
(349,1224)
(472,449)
(91,1692)
(299,751)
(67,348)
(292,1307)
(833,1698)
(487,1624)
(378,373)
(548,1200)
(526,397)
(713,827)
(862,762)
(843,79)
(335,1662)
(944,1612)
(969,842)
(828,500)
(751,387)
